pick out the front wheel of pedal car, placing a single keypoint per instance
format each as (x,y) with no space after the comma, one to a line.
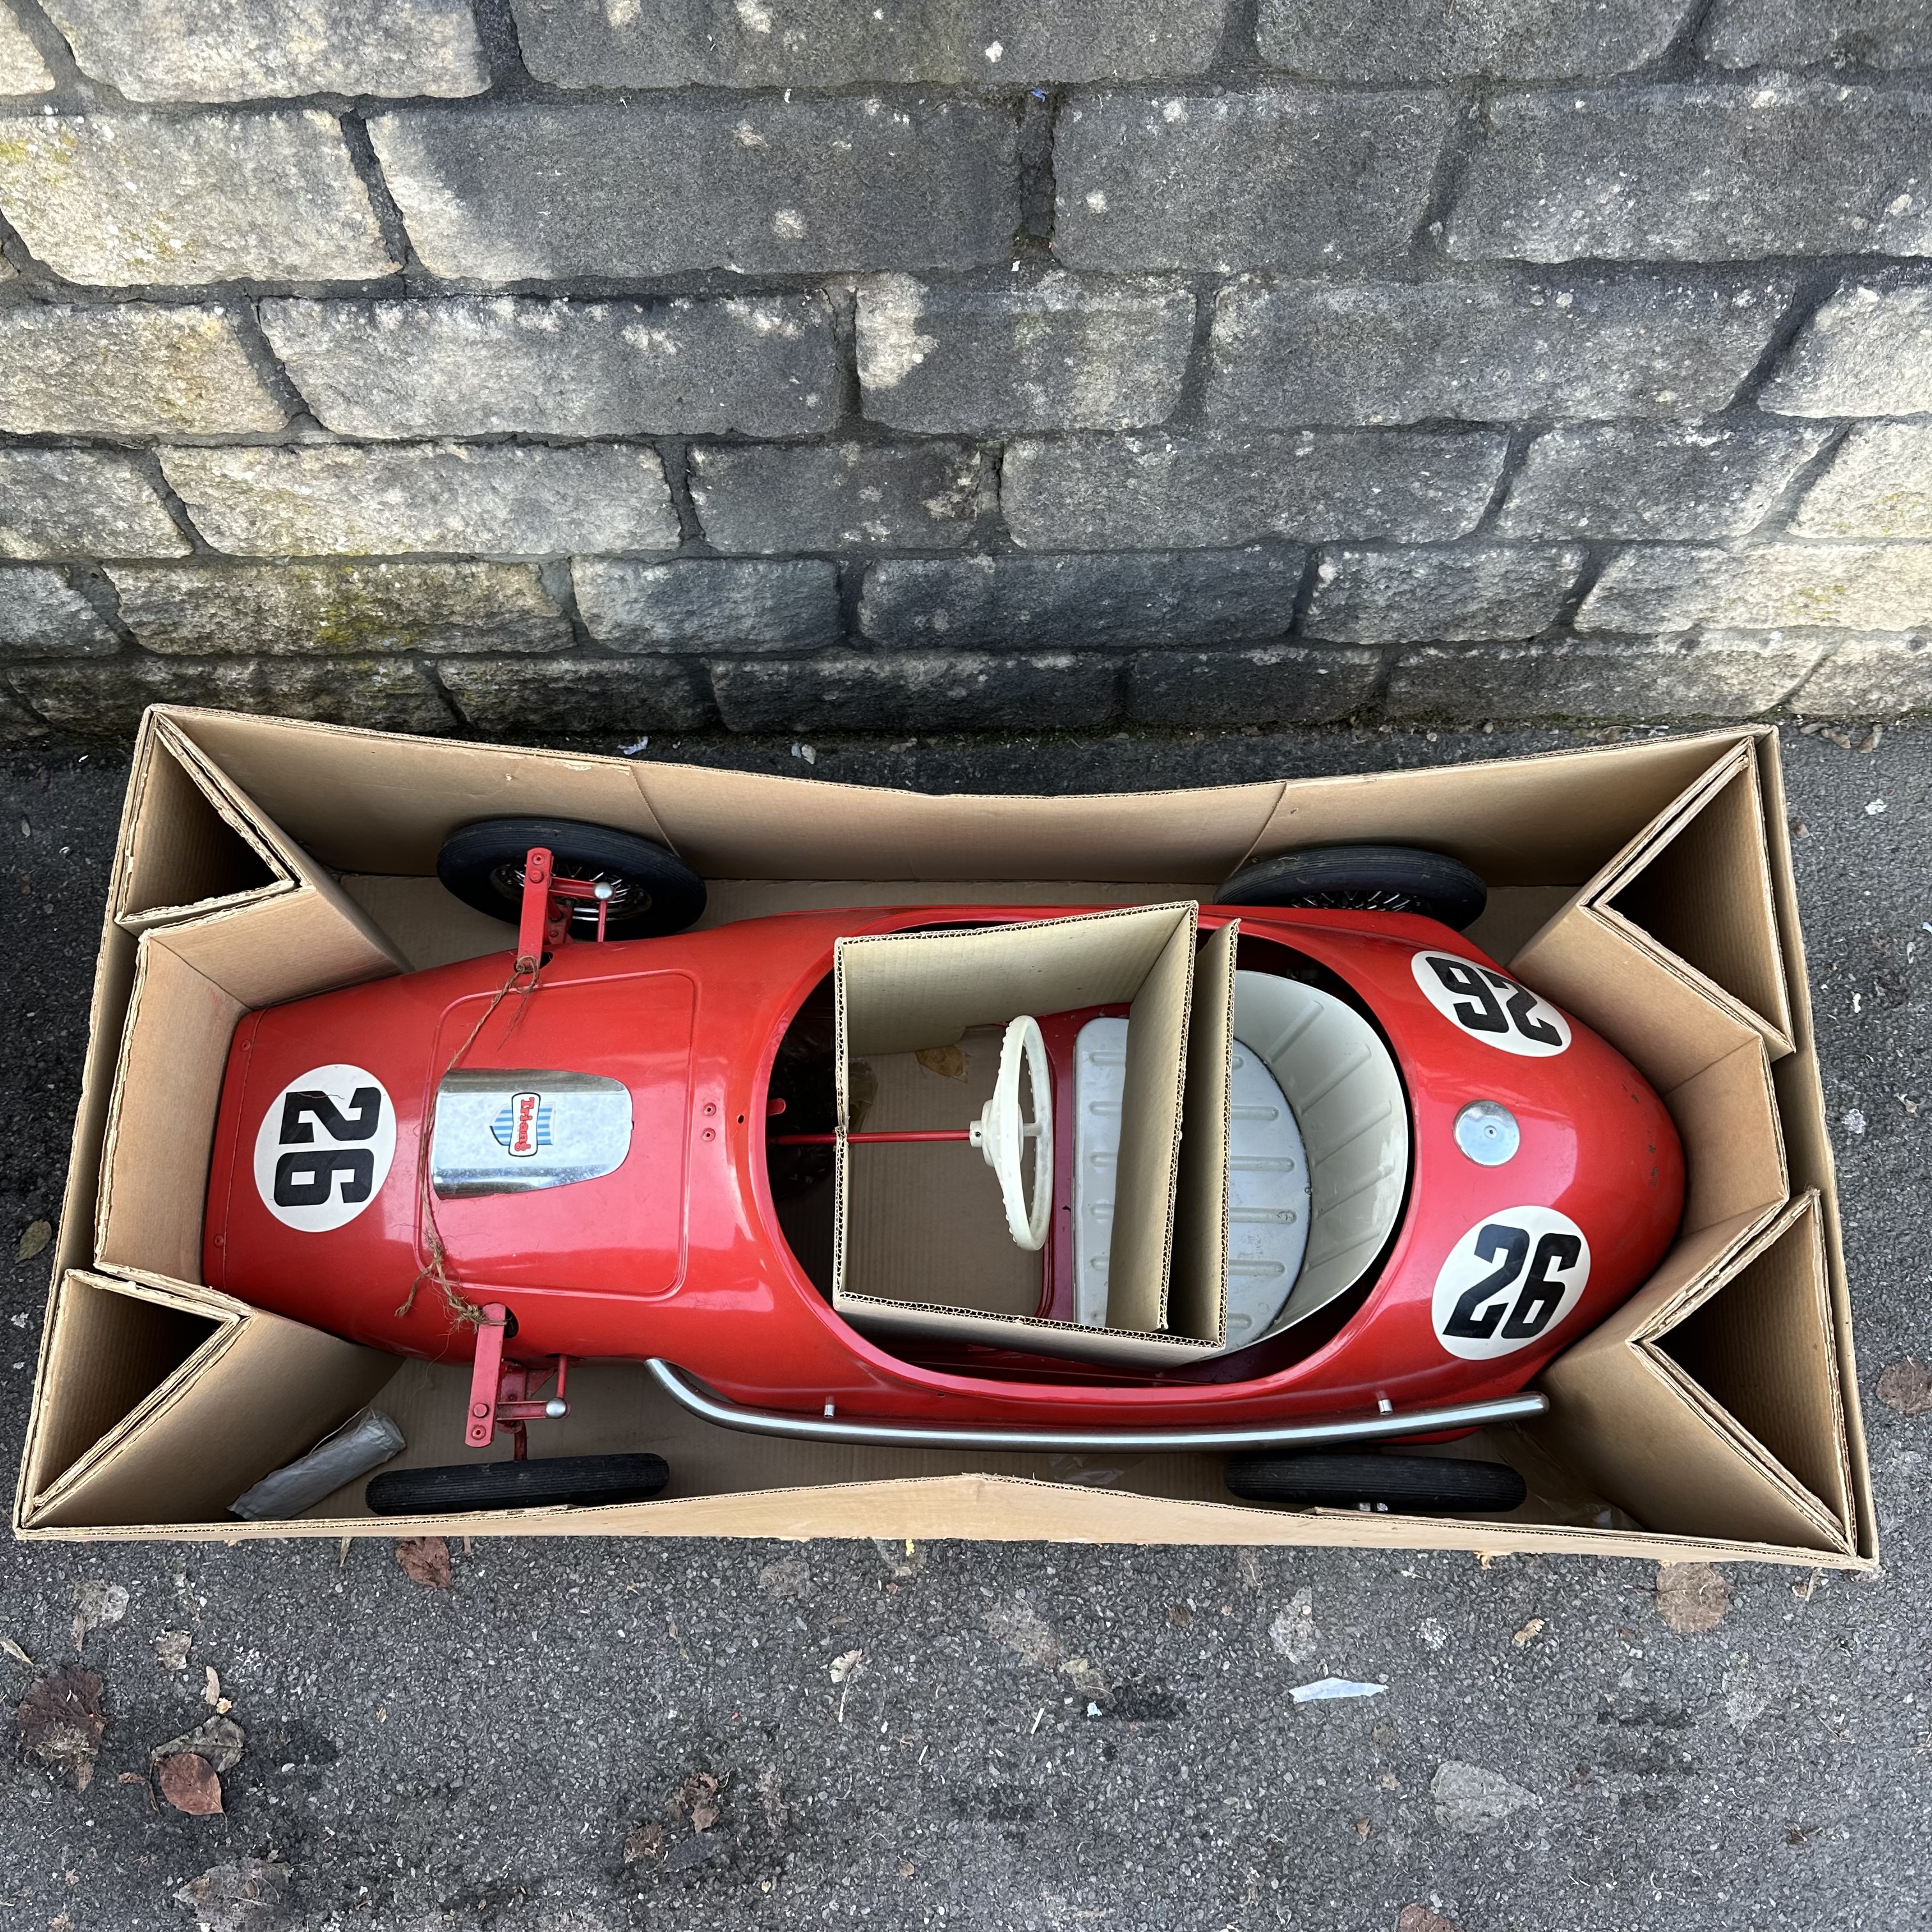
(1363,878)
(652,891)
(547,1482)
(1427,1485)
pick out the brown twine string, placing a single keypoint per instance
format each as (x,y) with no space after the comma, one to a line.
(523,981)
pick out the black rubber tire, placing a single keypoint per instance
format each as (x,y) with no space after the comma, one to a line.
(657,892)
(1433,1485)
(1363,878)
(545,1482)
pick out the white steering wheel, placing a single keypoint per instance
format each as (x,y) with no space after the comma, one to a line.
(1002,1131)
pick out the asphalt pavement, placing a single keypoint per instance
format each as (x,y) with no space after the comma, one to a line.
(582,1736)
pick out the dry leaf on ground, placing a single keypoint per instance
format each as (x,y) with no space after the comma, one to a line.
(1293,1633)
(1692,1596)
(787,1578)
(220,1740)
(1023,1631)
(425,1560)
(96,1606)
(1906,1387)
(1470,1799)
(846,1664)
(19,1655)
(172,1648)
(33,1240)
(644,1841)
(189,1783)
(1527,1634)
(1420,1919)
(251,1895)
(697,1800)
(62,1722)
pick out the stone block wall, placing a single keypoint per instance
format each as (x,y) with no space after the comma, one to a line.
(540,367)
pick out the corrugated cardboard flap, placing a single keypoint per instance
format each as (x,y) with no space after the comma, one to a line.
(901,993)
(185,1397)
(1708,1405)
(1678,929)
(187,847)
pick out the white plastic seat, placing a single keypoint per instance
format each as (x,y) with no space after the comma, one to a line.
(1318,1155)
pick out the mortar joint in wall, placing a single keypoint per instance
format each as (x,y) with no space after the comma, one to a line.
(1596,556)
(1037,188)
(1683,56)
(1468,119)
(1515,454)
(1190,403)
(1776,520)
(362,151)
(674,452)
(1814,288)
(1240,50)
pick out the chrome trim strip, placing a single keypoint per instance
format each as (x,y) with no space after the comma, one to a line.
(690,1395)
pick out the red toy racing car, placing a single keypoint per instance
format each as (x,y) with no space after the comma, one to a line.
(621,1140)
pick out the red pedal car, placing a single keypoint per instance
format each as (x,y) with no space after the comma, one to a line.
(609,1142)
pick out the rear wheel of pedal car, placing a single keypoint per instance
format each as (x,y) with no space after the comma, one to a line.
(1430,1485)
(652,891)
(543,1483)
(1363,878)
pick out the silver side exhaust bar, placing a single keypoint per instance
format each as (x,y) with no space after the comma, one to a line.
(691,1396)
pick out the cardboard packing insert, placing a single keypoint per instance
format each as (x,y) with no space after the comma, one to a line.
(1644,886)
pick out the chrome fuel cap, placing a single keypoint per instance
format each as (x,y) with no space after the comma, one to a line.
(1487,1131)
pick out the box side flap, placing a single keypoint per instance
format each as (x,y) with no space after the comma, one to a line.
(1140,1254)
(160,1127)
(900,992)
(1703,894)
(997,1509)
(1597,967)
(1761,1344)
(1197,1296)
(107,1351)
(1801,1106)
(258,1392)
(184,846)
(377,801)
(1727,1117)
(1535,821)
(1618,1418)
(750,824)
(303,943)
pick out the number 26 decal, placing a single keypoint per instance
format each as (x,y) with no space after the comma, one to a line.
(1509,1281)
(324,1148)
(1489,1005)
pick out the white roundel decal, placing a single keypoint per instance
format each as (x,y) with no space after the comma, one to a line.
(1509,1281)
(1489,1005)
(324,1148)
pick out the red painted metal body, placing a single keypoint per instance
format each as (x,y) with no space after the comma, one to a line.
(678,1253)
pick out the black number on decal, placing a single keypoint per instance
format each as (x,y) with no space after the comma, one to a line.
(304,1179)
(1476,988)
(1522,1003)
(359,1124)
(1513,1245)
(1478,1011)
(1538,1300)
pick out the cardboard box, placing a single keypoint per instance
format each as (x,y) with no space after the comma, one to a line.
(920,1246)
(1646,887)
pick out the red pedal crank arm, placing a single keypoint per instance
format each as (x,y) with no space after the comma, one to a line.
(535,917)
(486,1375)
